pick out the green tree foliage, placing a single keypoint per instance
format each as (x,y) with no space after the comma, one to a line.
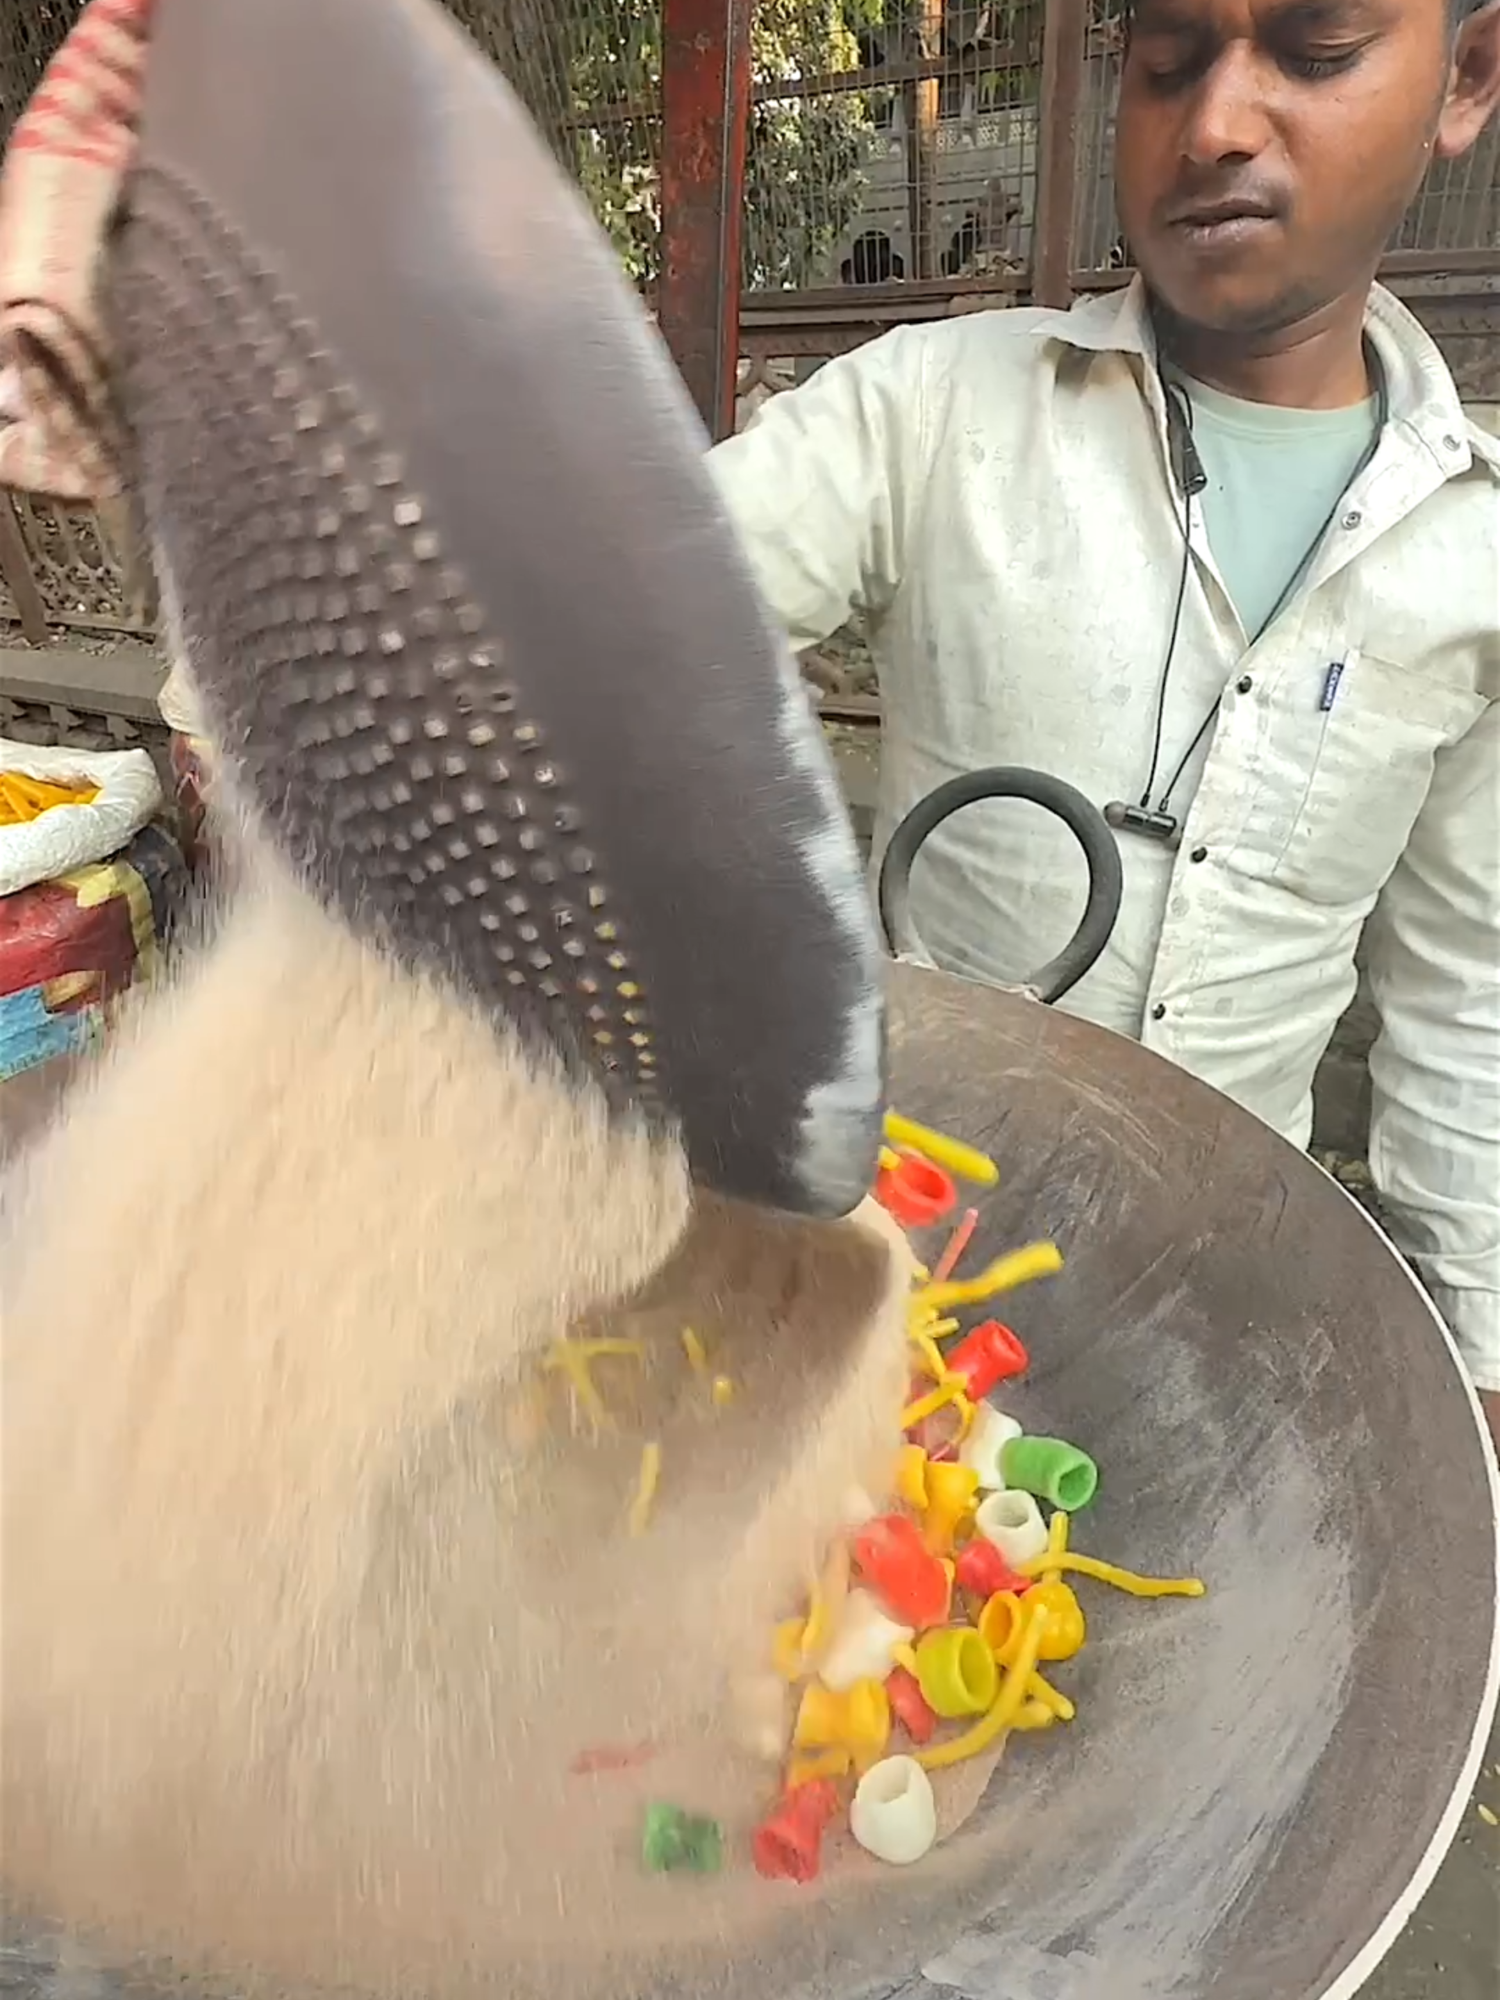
(584,65)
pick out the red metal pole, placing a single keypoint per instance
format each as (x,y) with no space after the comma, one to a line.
(705,89)
(1064,39)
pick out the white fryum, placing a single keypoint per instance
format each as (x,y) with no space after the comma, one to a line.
(1013,1522)
(989,1434)
(893,1814)
(863,1641)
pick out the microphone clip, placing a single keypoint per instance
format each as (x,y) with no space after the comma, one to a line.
(1152,823)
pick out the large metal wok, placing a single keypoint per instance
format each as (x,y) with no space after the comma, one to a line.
(1266,1781)
(1260,1785)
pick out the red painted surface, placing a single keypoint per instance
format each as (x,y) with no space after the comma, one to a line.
(705,117)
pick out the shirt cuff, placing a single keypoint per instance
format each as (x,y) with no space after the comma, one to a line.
(178,703)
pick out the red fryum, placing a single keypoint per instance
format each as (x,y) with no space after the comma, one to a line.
(909,1705)
(611,1757)
(891,1556)
(982,1570)
(789,1845)
(989,1354)
(915,1192)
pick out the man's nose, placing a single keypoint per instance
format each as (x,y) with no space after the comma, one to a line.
(1229,117)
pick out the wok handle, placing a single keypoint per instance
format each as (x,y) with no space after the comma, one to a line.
(1083,820)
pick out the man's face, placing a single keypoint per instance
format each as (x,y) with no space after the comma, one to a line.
(1266,149)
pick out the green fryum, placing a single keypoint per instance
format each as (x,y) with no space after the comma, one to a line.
(672,1838)
(1058,1473)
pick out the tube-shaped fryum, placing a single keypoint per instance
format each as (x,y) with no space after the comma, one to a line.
(1013,1522)
(989,1434)
(1056,1472)
(864,1643)
(893,1814)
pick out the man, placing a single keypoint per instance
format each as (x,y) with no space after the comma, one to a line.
(1224,552)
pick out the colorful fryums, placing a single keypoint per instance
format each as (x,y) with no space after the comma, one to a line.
(935,1653)
(922,1643)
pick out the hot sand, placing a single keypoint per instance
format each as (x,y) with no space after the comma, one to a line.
(308,1613)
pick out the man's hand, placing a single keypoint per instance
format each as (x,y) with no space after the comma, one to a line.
(1489,1402)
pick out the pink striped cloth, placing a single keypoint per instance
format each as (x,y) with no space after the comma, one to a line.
(59,190)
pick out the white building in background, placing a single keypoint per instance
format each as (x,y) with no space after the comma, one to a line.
(986,195)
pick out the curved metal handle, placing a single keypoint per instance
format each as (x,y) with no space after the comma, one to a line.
(1083,820)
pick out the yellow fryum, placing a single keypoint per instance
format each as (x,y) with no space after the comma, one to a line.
(1122,1579)
(695,1351)
(797,1642)
(965,1161)
(721,1389)
(811,1765)
(788,1652)
(575,1359)
(1056,1703)
(24,798)
(826,1602)
(1005,1709)
(947,1392)
(645,1488)
(911,1477)
(924,1330)
(1057,1547)
(1017,1267)
(931,1354)
(1487,1816)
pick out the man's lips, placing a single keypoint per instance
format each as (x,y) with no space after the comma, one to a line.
(1229,209)
(1222,224)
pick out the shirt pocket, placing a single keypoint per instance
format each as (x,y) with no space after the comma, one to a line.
(1382,726)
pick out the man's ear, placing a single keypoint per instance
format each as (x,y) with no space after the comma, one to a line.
(1473,83)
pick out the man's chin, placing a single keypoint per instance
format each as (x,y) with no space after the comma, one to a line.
(1225,302)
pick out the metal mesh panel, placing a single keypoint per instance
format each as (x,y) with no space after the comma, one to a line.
(30,31)
(891,139)
(590,74)
(1459,205)
(1097,242)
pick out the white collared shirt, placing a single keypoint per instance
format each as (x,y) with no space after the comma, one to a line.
(994,493)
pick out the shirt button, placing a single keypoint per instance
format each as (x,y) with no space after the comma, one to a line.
(1450,444)
(1158,1012)
(1352,519)
(1199,854)
(1244,684)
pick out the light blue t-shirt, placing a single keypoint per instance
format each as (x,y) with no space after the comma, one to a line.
(1275,479)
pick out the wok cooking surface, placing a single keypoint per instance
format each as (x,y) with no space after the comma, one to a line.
(1259,1785)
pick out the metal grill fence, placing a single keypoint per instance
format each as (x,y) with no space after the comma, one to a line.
(589,72)
(898,158)
(30,30)
(891,140)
